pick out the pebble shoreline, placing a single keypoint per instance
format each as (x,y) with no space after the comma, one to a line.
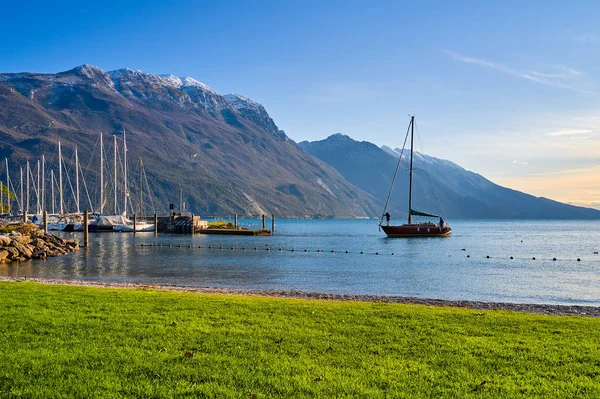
(546,309)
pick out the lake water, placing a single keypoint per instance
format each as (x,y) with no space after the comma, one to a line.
(455,267)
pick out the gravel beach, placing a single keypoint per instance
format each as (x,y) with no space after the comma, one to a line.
(547,309)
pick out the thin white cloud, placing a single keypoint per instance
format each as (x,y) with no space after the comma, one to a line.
(520,162)
(588,38)
(488,64)
(559,76)
(586,118)
(574,171)
(559,72)
(570,132)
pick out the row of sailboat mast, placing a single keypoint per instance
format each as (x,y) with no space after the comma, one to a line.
(39,189)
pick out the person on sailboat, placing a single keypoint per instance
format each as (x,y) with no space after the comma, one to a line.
(441,222)
(387,218)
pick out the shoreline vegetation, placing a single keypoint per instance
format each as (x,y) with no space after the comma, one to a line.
(543,309)
(62,340)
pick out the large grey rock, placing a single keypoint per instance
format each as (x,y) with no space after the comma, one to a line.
(13,252)
(72,245)
(38,243)
(23,249)
(4,240)
(39,253)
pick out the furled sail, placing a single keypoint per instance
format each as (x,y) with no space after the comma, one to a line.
(417,213)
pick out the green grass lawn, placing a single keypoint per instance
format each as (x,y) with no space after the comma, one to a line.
(65,341)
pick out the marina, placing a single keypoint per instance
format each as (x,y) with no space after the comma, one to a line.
(16,209)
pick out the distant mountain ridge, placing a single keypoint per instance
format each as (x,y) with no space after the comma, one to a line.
(438,186)
(225,151)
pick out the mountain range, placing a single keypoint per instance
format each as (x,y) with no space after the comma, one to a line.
(439,186)
(225,151)
(227,154)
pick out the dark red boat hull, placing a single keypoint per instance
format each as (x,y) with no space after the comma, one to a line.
(417,230)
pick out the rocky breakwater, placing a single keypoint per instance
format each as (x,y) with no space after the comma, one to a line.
(29,242)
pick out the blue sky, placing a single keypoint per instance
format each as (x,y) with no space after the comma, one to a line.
(504,88)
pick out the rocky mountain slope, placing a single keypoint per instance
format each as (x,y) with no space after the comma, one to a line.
(226,152)
(439,186)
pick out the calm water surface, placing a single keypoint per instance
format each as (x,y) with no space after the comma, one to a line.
(421,267)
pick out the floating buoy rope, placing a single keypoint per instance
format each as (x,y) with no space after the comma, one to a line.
(333,251)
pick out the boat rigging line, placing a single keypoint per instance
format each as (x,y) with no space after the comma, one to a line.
(438,203)
(387,202)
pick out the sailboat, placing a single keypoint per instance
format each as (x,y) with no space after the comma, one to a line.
(140,225)
(124,224)
(411,229)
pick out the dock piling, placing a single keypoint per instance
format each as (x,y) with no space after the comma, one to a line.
(235,224)
(272,224)
(46,222)
(155,224)
(263,222)
(134,224)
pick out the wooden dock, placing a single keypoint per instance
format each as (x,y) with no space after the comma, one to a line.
(193,224)
(235,232)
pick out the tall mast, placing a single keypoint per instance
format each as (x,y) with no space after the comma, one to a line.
(22,203)
(115,173)
(27,173)
(52,190)
(7,187)
(37,191)
(125,193)
(77,179)
(101,175)
(60,186)
(141,188)
(412,133)
(43,183)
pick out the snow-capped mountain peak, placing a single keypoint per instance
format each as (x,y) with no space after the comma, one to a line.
(191,82)
(254,111)
(163,91)
(172,80)
(240,102)
(87,69)
(339,136)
